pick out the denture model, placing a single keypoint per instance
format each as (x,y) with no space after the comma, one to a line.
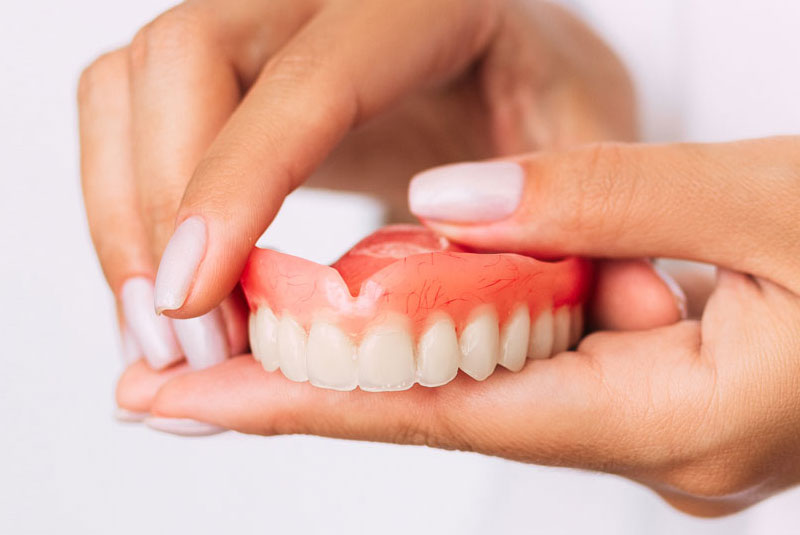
(406,306)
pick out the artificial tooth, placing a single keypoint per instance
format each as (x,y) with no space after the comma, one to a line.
(561,330)
(264,338)
(438,353)
(292,349)
(514,339)
(331,358)
(386,357)
(480,344)
(541,340)
(575,325)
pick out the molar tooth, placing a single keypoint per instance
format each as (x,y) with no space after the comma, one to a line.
(561,330)
(386,357)
(438,353)
(480,344)
(514,339)
(331,358)
(541,342)
(292,349)
(263,326)
(575,325)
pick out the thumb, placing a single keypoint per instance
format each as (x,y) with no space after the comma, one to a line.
(731,204)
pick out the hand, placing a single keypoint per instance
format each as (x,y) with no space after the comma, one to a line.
(706,413)
(216,110)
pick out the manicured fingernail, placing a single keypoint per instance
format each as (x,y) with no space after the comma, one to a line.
(675,289)
(153,334)
(467,192)
(183,426)
(124,415)
(131,352)
(203,339)
(179,263)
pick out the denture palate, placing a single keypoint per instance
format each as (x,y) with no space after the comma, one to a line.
(405,306)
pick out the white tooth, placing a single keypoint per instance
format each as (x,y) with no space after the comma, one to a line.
(292,349)
(264,338)
(514,339)
(561,330)
(480,344)
(438,353)
(386,357)
(575,325)
(541,343)
(331,358)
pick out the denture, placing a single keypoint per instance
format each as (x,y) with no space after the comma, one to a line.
(405,306)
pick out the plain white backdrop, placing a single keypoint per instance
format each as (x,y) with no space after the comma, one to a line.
(707,70)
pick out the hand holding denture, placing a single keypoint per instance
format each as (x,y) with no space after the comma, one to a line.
(706,412)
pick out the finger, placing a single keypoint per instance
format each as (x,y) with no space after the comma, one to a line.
(634,295)
(307,97)
(183,88)
(110,198)
(139,384)
(578,409)
(700,202)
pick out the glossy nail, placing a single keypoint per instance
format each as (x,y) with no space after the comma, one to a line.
(179,264)
(183,426)
(675,289)
(127,416)
(467,192)
(152,333)
(131,352)
(203,339)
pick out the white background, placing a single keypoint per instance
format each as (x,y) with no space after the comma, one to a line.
(708,70)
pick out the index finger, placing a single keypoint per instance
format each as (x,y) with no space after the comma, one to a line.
(342,68)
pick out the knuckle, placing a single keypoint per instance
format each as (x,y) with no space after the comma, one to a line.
(101,76)
(170,38)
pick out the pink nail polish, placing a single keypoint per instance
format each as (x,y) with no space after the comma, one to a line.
(203,339)
(183,426)
(153,334)
(467,192)
(127,416)
(131,352)
(675,289)
(179,264)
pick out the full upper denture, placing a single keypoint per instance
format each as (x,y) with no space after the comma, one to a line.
(405,306)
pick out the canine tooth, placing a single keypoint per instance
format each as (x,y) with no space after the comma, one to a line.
(292,349)
(480,344)
(561,330)
(514,339)
(575,325)
(437,353)
(264,338)
(386,358)
(541,342)
(331,358)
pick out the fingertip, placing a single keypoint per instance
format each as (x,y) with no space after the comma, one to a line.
(632,295)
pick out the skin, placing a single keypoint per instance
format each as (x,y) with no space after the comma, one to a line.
(219,109)
(706,411)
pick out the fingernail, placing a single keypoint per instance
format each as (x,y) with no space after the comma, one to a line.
(179,263)
(203,339)
(183,426)
(675,289)
(467,192)
(124,415)
(153,333)
(130,348)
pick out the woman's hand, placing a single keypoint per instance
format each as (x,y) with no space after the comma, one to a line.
(706,413)
(216,110)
